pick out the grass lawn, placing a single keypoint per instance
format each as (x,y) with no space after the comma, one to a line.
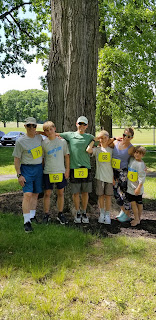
(141,136)
(62,273)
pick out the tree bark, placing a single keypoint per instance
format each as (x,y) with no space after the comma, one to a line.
(72,72)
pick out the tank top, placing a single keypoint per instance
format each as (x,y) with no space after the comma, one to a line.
(121,155)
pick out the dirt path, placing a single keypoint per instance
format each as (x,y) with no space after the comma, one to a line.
(11,202)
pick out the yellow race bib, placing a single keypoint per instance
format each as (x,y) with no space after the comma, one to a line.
(36,152)
(132,176)
(104,157)
(81,173)
(55,177)
(116,163)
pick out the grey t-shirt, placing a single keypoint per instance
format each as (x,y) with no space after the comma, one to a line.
(29,150)
(136,175)
(53,153)
(104,170)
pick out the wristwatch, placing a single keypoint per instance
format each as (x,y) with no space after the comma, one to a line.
(19,174)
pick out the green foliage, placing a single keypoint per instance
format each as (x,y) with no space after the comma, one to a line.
(26,27)
(127,64)
(17,105)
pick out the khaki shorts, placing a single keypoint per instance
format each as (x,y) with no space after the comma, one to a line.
(104,188)
(81,187)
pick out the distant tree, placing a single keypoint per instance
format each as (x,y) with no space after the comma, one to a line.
(127,62)
(17,105)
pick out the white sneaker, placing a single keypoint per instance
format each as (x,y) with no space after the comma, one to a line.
(101,218)
(85,218)
(107,219)
(78,218)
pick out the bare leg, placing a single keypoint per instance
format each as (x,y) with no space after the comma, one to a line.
(60,199)
(140,210)
(26,203)
(107,203)
(76,200)
(101,201)
(46,200)
(136,214)
(33,203)
(84,200)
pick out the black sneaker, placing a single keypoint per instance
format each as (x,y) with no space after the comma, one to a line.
(28,227)
(34,219)
(62,219)
(46,219)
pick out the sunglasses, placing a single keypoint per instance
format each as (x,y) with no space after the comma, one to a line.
(82,124)
(29,125)
(126,135)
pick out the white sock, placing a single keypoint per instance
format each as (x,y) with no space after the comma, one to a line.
(32,213)
(107,213)
(26,217)
(102,211)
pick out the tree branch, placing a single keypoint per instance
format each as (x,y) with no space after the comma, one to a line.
(3,16)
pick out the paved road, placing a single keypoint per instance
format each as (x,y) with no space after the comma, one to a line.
(7,177)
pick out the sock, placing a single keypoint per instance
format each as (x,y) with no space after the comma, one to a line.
(102,211)
(107,213)
(84,212)
(78,212)
(26,217)
(32,213)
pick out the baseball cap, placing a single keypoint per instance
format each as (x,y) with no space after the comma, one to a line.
(30,120)
(82,119)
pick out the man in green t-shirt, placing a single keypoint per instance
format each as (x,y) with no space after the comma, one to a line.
(80,168)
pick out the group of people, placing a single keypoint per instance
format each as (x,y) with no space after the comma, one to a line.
(41,163)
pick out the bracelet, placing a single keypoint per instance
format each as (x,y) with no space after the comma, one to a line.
(19,175)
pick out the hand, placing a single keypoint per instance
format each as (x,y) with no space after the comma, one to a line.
(21,181)
(67,173)
(137,191)
(119,138)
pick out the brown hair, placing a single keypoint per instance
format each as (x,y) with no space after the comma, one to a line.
(130,130)
(48,124)
(140,149)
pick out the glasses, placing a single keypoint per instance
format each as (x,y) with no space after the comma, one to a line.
(82,124)
(126,135)
(30,125)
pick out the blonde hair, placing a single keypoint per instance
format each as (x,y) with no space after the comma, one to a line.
(140,149)
(48,124)
(104,133)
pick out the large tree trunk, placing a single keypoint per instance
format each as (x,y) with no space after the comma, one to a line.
(72,72)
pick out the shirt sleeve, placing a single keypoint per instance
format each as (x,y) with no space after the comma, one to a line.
(17,150)
(141,173)
(65,148)
(65,135)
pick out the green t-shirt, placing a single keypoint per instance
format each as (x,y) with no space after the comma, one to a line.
(77,147)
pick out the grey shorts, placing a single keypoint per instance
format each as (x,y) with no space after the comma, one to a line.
(81,187)
(104,188)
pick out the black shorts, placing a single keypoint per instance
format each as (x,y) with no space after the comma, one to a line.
(132,197)
(49,186)
(80,180)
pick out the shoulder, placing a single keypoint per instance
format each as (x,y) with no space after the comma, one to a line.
(131,149)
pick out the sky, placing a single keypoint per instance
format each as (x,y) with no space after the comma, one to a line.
(31,80)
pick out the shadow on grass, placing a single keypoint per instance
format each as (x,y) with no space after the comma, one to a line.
(50,248)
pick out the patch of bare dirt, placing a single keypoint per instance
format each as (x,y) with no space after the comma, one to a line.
(11,202)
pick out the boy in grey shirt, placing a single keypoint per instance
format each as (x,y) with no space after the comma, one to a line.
(136,178)
(55,153)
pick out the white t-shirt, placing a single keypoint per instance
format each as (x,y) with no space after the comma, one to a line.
(29,150)
(53,153)
(136,175)
(104,170)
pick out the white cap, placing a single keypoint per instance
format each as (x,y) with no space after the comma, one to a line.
(30,120)
(82,119)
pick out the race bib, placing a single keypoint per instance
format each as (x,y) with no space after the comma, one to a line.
(116,163)
(104,157)
(81,173)
(36,152)
(132,176)
(55,177)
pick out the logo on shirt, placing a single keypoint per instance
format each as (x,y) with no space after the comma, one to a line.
(54,151)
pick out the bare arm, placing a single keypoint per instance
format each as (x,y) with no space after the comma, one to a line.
(90,147)
(21,179)
(67,165)
(131,151)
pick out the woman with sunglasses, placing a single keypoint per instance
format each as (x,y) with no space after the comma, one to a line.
(122,151)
